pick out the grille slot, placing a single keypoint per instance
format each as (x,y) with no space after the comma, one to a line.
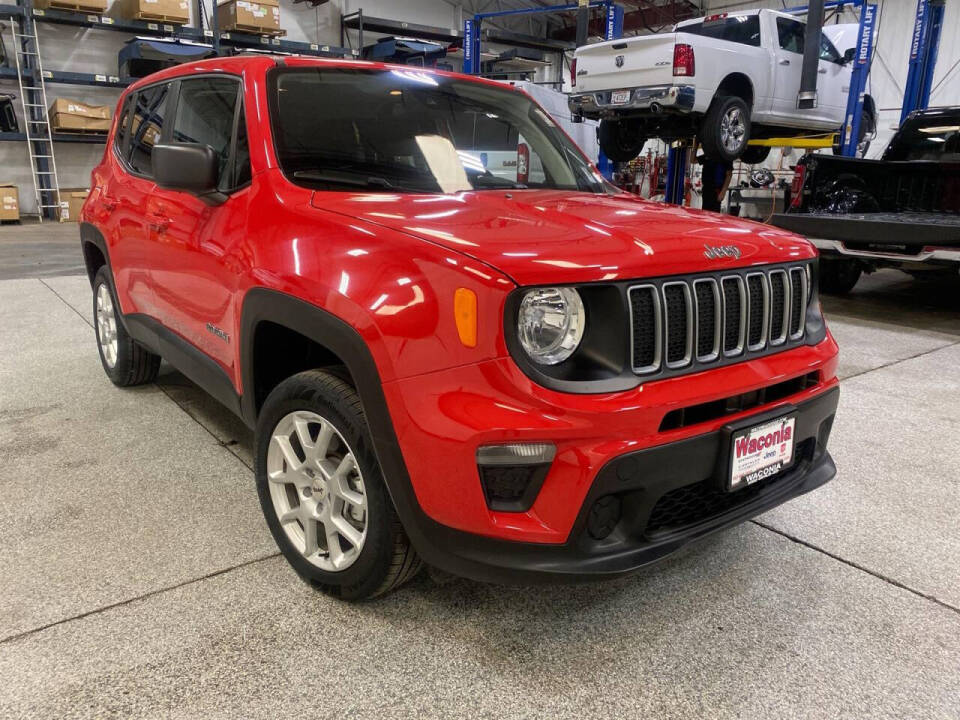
(758,306)
(798,301)
(707,295)
(679,324)
(779,306)
(734,315)
(645,328)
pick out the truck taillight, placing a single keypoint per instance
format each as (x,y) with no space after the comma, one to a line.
(523,163)
(573,72)
(683,60)
(796,187)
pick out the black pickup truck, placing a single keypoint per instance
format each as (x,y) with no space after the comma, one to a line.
(901,211)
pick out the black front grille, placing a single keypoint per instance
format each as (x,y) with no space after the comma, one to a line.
(680,324)
(692,504)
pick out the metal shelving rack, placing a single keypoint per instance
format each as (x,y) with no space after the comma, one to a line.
(24,15)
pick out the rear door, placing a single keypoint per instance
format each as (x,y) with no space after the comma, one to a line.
(195,243)
(788,51)
(126,196)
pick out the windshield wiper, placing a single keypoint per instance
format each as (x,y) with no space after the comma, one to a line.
(361,180)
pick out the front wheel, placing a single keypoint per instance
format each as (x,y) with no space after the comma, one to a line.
(725,129)
(838,275)
(322,491)
(621,140)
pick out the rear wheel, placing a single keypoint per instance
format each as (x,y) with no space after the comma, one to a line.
(125,361)
(838,275)
(725,129)
(621,140)
(322,491)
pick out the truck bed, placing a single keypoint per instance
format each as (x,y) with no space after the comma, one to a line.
(910,230)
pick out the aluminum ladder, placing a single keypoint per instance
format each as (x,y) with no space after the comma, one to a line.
(33,97)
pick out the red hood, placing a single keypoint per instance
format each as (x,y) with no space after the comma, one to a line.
(539,236)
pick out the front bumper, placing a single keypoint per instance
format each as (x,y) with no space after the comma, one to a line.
(670,495)
(678,98)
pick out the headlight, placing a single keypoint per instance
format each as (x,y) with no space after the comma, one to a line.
(550,324)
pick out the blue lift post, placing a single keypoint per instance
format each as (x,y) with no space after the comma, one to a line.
(923,56)
(858,80)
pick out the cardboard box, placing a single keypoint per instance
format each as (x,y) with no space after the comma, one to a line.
(71,201)
(74,116)
(91,6)
(168,11)
(9,202)
(262,16)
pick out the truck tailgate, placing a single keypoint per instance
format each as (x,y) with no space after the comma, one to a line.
(647,60)
(895,230)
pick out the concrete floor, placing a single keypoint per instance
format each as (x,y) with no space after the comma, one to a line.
(139,580)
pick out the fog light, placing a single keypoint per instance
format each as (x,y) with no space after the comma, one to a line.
(604,516)
(511,475)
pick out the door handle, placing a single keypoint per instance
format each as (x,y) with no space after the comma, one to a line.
(784,62)
(822,71)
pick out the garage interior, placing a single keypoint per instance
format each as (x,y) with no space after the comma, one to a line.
(140,580)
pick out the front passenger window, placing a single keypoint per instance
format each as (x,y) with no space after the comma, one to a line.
(205,113)
(790,33)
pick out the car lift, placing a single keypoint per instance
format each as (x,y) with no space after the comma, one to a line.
(923,56)
(613,29)
(677,160)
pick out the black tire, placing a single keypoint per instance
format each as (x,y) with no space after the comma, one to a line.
(838,276)
(133,364)
(621,140)
(755,154)
(711,129)
(386,559)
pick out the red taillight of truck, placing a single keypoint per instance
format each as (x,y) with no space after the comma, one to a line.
(684,62)
(796,187)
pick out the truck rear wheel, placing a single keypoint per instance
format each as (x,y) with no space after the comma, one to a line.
(621,140)
(725,129)
(838,275)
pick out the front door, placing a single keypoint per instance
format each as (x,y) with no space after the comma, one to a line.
(788,56)
(195,277)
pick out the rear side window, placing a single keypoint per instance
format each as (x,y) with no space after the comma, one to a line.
(790,34)
(120,139)
(205,114)
(743,29)
(146,127)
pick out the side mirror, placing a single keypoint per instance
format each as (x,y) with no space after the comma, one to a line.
(188,167)
(849,55)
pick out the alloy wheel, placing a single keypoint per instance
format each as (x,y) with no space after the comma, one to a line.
(106,325)
(732,130)
(317,490)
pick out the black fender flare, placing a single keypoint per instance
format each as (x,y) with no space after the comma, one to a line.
(342,339)
(91,235)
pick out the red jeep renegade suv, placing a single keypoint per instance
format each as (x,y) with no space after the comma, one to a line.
(511,376)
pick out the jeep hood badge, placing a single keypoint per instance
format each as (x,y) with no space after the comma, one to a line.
(715,252)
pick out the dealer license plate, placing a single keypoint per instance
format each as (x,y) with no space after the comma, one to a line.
(619,97)
(762,451)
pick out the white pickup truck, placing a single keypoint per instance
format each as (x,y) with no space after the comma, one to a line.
(724,78)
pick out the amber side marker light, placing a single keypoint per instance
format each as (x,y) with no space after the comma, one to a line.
(465,313)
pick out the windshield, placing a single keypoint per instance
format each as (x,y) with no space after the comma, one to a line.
(934,138)
(413,131)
